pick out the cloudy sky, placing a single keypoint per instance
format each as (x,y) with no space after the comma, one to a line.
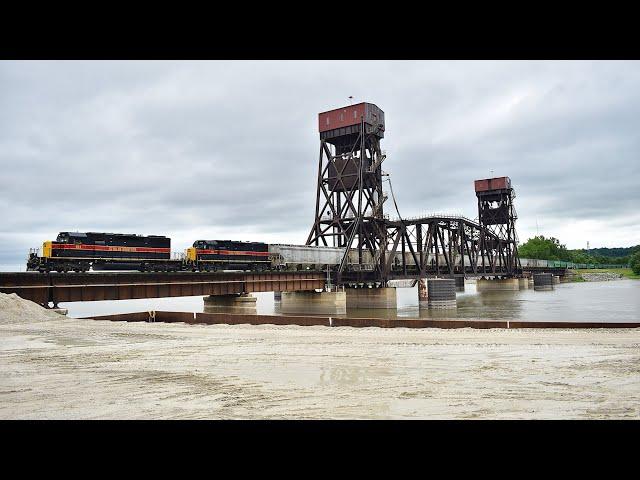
(230,149)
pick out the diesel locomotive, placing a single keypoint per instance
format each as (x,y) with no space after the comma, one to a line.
(78,252)
(212,255)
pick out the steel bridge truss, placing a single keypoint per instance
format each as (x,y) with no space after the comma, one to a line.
(438,246)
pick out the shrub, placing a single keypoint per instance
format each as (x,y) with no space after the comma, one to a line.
(634,262)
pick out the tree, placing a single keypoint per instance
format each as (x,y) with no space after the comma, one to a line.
(634,262)
(544,248)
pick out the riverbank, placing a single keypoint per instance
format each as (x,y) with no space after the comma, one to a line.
(603,274)
(87,369)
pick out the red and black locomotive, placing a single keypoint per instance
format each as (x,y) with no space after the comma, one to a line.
(76,251)
(79,252)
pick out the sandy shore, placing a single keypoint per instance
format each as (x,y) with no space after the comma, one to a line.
(86,369)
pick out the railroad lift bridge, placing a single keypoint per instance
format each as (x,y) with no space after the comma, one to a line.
(350,213)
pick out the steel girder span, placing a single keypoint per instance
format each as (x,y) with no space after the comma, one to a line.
(437,246)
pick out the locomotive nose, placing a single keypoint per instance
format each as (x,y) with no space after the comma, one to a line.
(46,249)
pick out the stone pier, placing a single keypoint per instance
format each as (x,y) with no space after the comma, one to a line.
(312,302)
(384,297)
(243,303)
(489,285)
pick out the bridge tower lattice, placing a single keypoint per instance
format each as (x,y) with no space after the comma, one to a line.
(349,201)
(497,214)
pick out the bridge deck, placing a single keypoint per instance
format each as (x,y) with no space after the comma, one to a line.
(83,287)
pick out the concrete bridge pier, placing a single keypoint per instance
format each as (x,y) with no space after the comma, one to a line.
(497,284)
(242,303)
(382,297)
(315,303)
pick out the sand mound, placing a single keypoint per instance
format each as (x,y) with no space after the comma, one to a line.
(14,309)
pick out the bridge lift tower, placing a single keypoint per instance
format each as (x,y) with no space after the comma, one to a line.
(497,214)
(350,198)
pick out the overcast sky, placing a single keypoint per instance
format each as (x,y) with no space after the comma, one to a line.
(230,149)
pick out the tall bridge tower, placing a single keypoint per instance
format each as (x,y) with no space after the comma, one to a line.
(497,214)
(350,198)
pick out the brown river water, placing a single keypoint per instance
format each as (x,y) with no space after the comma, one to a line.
(614,301)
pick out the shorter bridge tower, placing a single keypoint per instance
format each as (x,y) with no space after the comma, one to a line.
(497,214)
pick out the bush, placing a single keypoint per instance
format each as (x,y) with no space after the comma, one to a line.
(634,262)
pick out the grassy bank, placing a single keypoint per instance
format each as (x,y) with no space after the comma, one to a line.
(626,272)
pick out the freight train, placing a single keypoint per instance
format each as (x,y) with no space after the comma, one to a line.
(80,252)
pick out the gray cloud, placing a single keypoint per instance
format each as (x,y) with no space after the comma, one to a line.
(192,149)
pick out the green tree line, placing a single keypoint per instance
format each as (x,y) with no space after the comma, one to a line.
(551,249)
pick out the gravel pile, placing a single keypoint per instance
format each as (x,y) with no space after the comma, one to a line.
(14,309)
(601,277)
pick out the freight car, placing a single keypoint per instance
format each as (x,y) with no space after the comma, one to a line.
(76,251)
(304,257)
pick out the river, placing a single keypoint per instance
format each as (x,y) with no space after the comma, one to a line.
(613,301)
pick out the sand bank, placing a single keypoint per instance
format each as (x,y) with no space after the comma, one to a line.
(70,368)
